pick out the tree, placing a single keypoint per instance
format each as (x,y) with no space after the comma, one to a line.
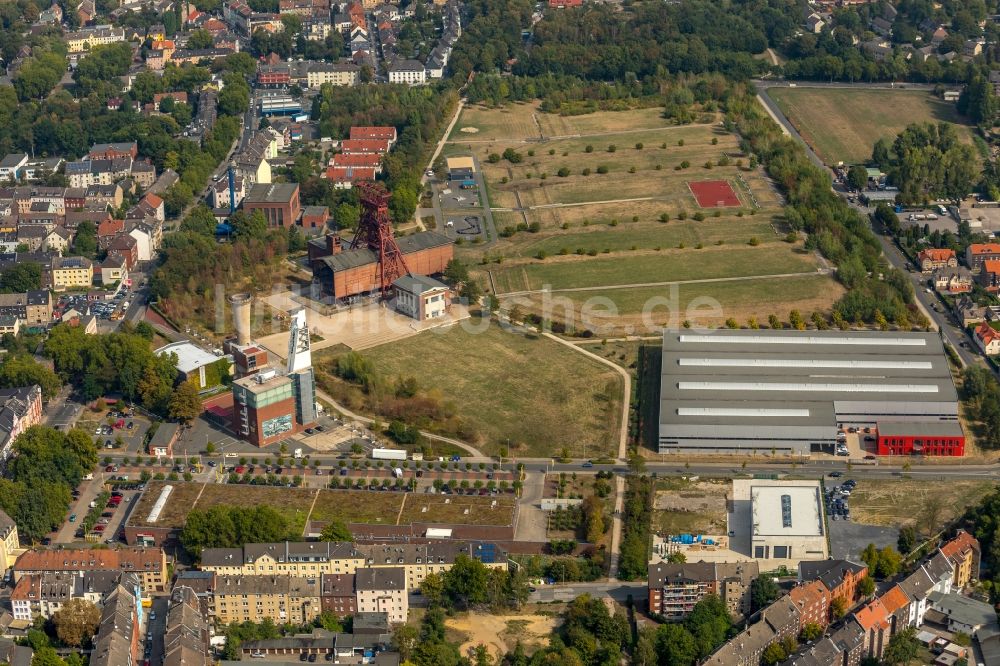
(432,587)
(200,39)
(85,241)
(637,464)
(675,645)
(773,654)
(404,639)
(253,226)
(47,656)
(677,557)
(810,632)
(185,405)
(336,531)
(763,591)
(907,539)
(857,177)
(838,607)
(21,277)
(866,587)
(902,649)
(24,370)
(76,621)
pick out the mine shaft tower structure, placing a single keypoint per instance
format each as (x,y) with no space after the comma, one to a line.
(375,233)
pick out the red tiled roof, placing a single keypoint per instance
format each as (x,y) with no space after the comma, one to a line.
(936,254)
(991,266)
(984,248)
(894,599)
(371,160)
(873,617)
(986,333)
(962,542)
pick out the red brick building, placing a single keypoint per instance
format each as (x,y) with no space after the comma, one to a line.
(933,438)
(112,151)
(813,601)
(279,202)
(315,217)
(346,272)
(337,594)
(127,248)
(840,577)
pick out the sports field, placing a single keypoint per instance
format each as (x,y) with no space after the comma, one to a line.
(626,198)
(843,124)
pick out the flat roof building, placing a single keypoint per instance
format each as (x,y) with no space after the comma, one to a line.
(778,520)
(738,391)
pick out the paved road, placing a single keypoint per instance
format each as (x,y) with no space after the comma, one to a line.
(616,526)
(62,411)
(531,520)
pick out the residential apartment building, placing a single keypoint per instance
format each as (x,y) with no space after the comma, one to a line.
(10,545)
(20,408)
(813,602)
(70,272)
(101,35)
(933,258)
(311,559)
(874,621)
(292,599)
(408,72)
(777,621)
(987,339)
(43,594)
(383,590)
(977,253)
(117,639)
(149,564)
(338,74)
(338,594)
(965,554)
(674,589)
(186,639)
(32,307)
(840,577)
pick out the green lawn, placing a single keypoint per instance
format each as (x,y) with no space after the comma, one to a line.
(539,393)
(842,125)
(666,266)
(628,235)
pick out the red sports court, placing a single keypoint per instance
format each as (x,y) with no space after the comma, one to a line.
(714,193)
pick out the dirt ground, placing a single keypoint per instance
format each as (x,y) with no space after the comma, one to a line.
(685,507)
(500,633)
(924,502)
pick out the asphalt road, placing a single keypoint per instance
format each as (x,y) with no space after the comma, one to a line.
(617,590)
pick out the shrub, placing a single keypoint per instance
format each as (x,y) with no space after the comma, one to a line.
(531,153)
(541,254)
(591,253)
(685,164)
(586,171)
(638,146)
(754,241)
(602,169)
(493,158)
(682,215)
(715,141)
(534,227)
(708,164)
(563,172)
(613,223)
(680,142)
(658,167)
(612,148)
(699,216)
(664,217)
(552,151)
(588,149)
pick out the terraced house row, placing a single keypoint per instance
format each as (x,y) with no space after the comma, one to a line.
(930,595)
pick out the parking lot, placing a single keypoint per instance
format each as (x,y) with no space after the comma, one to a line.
(120,432)
(848,538)
(104,308)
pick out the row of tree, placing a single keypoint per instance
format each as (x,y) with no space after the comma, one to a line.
(637,514)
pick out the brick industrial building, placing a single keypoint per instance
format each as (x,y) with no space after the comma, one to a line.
(278,201)
(344,272)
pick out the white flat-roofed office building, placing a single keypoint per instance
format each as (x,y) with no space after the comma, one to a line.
(778,520)
(731,391)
